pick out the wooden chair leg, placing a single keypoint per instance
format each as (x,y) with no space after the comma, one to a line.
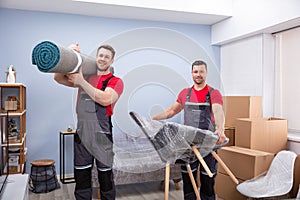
(99,196)
(167,179)
(220,161)
(193,181)
(197,153)
(176,183)
(198,177)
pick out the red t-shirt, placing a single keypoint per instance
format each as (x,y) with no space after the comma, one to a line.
(200,96)
(115,83)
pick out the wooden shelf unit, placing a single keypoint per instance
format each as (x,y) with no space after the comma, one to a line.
(13,148)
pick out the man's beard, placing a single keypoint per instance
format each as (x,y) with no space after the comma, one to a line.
(102,70)
(199,82)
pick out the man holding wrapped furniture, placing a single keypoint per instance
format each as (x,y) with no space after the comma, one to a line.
(203,109)
(98,94)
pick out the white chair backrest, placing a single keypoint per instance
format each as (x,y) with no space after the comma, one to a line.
(282,166)
(278,180)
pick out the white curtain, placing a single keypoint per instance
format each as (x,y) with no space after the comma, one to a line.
(287,78)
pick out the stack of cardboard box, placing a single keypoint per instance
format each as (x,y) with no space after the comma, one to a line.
(256,141)
(244,164)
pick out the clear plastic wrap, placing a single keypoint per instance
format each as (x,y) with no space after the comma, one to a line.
(173,141)
(278,180)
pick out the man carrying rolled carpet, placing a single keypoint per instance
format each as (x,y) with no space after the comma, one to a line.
(202,107)
(97,96)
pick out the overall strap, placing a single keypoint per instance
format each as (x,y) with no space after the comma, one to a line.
(104,85)
(207,99)
(188,96)
(105,82)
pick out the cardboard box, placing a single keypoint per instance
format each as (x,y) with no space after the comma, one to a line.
(265,134)
(241,107)
(13,169)
(245,163)
(11,105)
(226,189)
(230,133)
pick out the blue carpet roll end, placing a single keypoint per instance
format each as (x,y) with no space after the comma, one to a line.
(46,56)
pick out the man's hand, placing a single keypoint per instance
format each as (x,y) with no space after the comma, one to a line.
(221,135)
(76,78)
(219,121)
(75,47)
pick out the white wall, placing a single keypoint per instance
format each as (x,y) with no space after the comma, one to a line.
(188,11)
(247,69)
(241,64)
(197,6)
(252,17)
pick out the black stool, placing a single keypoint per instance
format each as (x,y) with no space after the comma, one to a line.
(43,176)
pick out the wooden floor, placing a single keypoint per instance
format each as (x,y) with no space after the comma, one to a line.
(143,191)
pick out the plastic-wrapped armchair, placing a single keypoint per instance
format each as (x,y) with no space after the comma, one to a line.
(176,142)
(276,182)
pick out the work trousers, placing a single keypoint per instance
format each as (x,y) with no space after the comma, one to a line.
(83,164)
(207,191)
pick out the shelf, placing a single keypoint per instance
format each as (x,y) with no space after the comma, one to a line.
(14,144)
(3,113)
(13,127)
(68,132)
(20,169)
(11,84)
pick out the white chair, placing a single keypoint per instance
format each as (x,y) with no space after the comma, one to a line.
(276,182)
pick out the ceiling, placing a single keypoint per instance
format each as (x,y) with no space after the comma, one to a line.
(90,8)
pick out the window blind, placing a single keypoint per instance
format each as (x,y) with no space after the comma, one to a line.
(287,77)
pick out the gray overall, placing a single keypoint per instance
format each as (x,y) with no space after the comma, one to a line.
(199,115)
(93,140)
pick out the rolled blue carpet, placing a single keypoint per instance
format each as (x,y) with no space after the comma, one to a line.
(50,57)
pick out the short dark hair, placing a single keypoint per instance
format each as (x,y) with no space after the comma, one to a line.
(108,47)
(199,62)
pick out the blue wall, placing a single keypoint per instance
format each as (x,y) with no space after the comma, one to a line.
(153,74)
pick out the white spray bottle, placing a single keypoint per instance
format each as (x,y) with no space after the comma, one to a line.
(11,75)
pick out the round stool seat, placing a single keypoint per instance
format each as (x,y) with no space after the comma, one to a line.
(43,176)
(41,163)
